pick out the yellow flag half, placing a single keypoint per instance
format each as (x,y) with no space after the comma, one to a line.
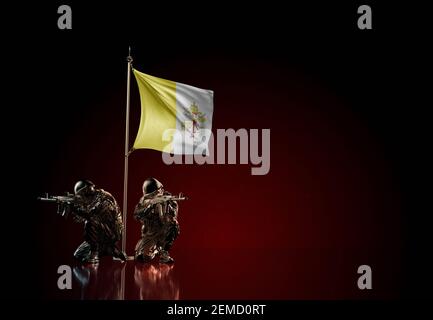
(175,117)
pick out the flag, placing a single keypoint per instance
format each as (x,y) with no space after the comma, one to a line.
(175,117)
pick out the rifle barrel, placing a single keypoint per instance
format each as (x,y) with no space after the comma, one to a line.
(47,199)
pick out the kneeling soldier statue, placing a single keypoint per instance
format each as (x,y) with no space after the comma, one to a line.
(157,211)
(102,219)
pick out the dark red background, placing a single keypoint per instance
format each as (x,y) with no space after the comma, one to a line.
(334,198)
(329,193)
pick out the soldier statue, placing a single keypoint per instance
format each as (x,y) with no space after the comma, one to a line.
(101,216)
(102,222)
(157,211)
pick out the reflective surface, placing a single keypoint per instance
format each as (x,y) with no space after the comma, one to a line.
(102,281)
(232,274)
(156,281)
(110,281)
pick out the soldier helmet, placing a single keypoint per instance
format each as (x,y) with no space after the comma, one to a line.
(151,185)
(83,185)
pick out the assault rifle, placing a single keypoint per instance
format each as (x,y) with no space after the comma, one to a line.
(62,202)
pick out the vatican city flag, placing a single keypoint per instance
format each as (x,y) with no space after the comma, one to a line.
(175,117)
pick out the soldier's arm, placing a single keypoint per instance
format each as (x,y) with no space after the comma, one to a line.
(137,211)
(172,208)
(141,209)
(83,212)
(158,210)
(79,212)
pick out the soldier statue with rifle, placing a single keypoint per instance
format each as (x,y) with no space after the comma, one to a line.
(157,211)
(102,219)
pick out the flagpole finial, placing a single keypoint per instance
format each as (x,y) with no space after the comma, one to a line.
(129,57)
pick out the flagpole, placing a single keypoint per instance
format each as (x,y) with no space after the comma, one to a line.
(125,173)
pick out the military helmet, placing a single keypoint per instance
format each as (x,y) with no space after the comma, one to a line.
(82,184)
(151,185)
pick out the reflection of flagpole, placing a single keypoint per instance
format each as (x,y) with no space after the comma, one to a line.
(125,173)
(122,283)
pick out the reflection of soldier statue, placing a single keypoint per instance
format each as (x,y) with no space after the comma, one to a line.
(157,211)
(156,282)
(101,282)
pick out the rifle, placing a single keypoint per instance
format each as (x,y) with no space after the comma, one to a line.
(62,202)
(164,198)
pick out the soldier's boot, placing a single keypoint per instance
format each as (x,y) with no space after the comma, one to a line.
(143,258)
(85,254)
(144,252)
(92,258)
(165,257)
(117,253)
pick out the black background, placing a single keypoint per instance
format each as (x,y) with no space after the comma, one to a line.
(379,71)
